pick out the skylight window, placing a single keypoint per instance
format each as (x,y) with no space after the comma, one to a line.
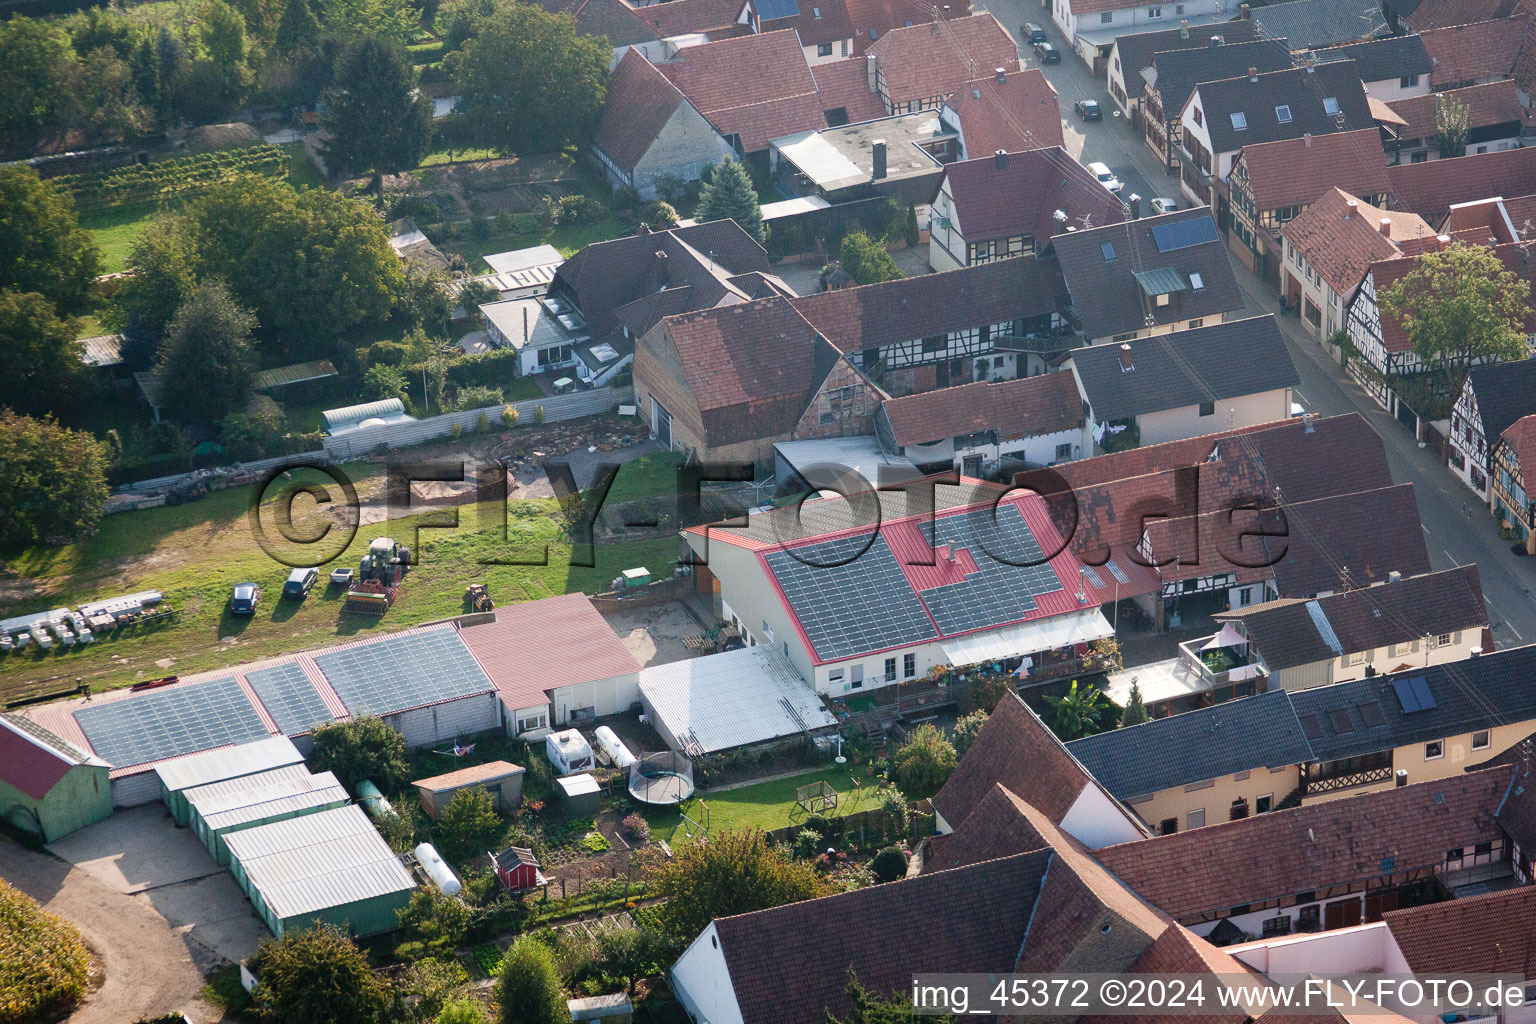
(1108,249)
(815,12)
(1239,121)
(1283,113)
(1330,105)
(1196,282)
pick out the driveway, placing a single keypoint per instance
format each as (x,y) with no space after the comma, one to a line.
(148,968)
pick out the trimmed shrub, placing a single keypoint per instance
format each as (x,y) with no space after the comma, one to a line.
(889,864)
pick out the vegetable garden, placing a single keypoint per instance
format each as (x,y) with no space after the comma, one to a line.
(179,177)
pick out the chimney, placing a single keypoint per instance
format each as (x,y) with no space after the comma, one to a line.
(1002,75)
(1184,28)
(1135,205)
(1400,778)
(1126,366)
(1308,423)
(1306,140)
(1244,12)
(1442,242)
(1394,576)
(1349,207)
(1218,41)
(1253,74)
(1386,226)
(1001,157)
(871,71)
(878,148)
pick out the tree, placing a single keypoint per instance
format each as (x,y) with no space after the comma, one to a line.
(866,260)
(633,953)
(461,1011)
(435,918)
(35,65)
(1078,714)
(1135,708)
(43,249)
(381,381)
(162,273)
(364,748)
(528,81)
(469,826)
(1458,305)
(529,989)
(107,103)
(911,234)
(869,1008)
(731,195)
(924,761)
(377,120)
(207,360)
(317,976)
(730,873)
(393,18)
(227,71)
(43,369)
(55,481)
(298,29)
(1451,123)
(312,263)
(889,864)
(967,729)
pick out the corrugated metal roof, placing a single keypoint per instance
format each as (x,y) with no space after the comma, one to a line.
(310,830)
(339,887)
(726,700)
(280,376)
(228,763)
(102,350)
(221,796)
(278,805)
(307,864)
(336,419)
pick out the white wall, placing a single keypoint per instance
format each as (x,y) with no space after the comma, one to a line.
(1096,820)
(610,696)
(438,723)
(1249,410)
(133,790)
(702,981)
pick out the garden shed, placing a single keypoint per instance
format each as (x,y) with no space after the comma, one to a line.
(518,869)
(502,779)
(183,773)
(580,796)
(48,786)
(614,1008)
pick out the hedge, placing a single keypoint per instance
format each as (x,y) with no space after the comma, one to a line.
(177,177)
(43,960)
(489,369)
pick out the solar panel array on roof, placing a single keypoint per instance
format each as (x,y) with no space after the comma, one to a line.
(289,697)
(1183,233)
(850,603)
(1005,587)
(1413,694)
(168,723)
(768,10)
(401,672)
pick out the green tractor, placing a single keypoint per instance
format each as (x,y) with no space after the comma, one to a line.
(378,577)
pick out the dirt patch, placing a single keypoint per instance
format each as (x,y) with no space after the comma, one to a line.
(654,634)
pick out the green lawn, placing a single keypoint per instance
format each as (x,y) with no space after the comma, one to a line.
(195,553)
(765,806)
(300,174)
(457,156)
(116,230)
(645,477)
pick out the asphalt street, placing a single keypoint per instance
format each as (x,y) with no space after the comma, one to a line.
(1457,527)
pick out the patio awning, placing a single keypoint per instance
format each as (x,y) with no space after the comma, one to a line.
(1077,627)
(1227,636)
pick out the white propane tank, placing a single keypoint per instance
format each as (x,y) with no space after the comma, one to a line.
(437,869)
(614,747)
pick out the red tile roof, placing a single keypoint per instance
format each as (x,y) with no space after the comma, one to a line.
(1430,189)
(1021,112)
(34,758)
(1430,14)
(684,17)
(640,103)
(1489,934)
(1022,196)
(936,58)
(1180,951)
(1341,241)
(872,19)
(1466,53)
(1269,856)
(1521,438)
(1388,272)
(778,98)
(818,22)
(1294,172)
(536,646)
(845,83)
(1487,105)
(1017,408)
(997,827)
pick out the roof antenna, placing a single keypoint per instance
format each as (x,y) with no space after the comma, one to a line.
(1346,584)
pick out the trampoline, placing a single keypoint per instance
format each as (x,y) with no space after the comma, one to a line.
(663,779)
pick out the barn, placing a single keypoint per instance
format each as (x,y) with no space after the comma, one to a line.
(48,786)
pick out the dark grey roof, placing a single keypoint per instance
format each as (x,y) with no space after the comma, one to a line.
(1170,371)
(1382,59)
(1319,22)
(1105,293)
(1137,49)
(1505,392)
(1179,72)
(1289,633)
(1303,91)
(1236,736)
(1478,693)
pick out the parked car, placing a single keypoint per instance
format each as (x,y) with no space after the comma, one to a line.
(1088,110)
(1163,204)
(343,577)
(1033,33)
(299,582)
(1046,53)
(1106,176)
(243,599)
